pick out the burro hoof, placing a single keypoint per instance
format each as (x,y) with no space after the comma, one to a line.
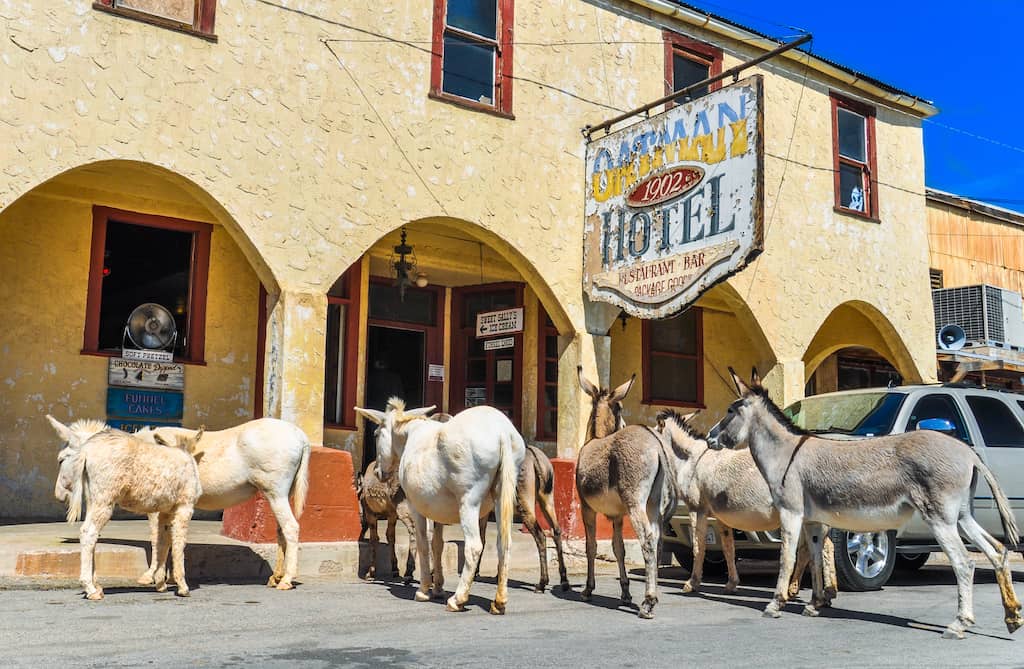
(1014,622)
(730,588)
(497,609)
(565,586)
(285,585)
(646,611)
(161,587)
(145,579)
(95,596)
(951,633)
(422,596)
(811,611)
(453,605)
(772,611)
(541,587)
(272,582)
(183,592)
(626,599)
(585,595)
(689,587)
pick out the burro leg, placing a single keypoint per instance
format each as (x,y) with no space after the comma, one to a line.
(791,524)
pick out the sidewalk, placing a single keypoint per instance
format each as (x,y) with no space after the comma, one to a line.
(46,555)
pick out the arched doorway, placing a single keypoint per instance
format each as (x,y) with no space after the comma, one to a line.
(80,252)
(474,324)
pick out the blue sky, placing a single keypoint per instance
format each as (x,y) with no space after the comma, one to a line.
(961,56)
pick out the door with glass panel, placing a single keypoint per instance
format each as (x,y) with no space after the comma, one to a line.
(486,370)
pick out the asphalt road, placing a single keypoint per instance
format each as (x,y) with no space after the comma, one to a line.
(328,624)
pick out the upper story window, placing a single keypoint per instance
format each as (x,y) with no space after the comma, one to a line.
(190,16)
(673,364)
(472,54)
(139,258)
(853,139)
(688,62)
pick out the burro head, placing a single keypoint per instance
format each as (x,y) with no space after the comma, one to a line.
(72,437)
(605,407)
(391,432)
(734,428)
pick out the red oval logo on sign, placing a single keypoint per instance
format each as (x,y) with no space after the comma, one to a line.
(664,186)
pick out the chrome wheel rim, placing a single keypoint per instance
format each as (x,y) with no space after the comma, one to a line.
(868,551)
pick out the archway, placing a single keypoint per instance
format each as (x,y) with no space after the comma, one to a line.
(857,331)
(421,341)
(80,252)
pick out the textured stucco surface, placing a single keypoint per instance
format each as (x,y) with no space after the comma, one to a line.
(306,140)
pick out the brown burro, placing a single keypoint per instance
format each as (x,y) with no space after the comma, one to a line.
(535,487)
(869,485)
(384,499)
(623,471)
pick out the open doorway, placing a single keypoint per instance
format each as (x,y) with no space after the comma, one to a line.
(395,362)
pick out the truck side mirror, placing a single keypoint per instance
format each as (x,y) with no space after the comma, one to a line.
(937,424)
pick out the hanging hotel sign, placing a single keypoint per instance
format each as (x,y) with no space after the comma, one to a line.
(674,203)
(506,321)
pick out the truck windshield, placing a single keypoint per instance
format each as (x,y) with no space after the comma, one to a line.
(858,414)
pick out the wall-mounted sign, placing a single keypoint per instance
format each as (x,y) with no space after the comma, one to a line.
(136,425)
(475,397)
(151,355)
(435,372)
(674,203)
(493,323)
(495,344)
(142,374)
(148,406)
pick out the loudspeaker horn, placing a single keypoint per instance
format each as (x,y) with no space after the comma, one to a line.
(952,337)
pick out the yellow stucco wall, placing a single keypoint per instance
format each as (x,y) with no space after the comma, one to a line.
(45,256)
(307,143)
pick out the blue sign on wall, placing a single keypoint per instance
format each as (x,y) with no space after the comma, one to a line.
(145,406)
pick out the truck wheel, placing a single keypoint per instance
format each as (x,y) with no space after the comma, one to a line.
(864,560)
(908,562)
(714,561)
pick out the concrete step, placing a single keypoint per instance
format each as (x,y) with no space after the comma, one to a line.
(48,555)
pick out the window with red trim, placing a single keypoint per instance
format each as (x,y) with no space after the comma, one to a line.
(472,53)
(190,16)
(673,364)
(853,150)
(340,360)
(688,62)
(547,378)
(138,258)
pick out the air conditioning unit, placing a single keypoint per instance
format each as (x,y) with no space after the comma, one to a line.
(989,316)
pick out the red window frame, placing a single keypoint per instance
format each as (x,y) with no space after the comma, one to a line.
(201,26)
(691,49)
(648,363)
(197,282)
(545,329)
(869,169)
(351,280)
(502,63)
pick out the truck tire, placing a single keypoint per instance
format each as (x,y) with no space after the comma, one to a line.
(714,561)
(864,560)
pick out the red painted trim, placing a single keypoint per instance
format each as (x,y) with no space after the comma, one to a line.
(261,353)
(869,113)
(698,357)
(503,76)
(354,291)
(543,332)
(699,52)
(197,284)
(202,21)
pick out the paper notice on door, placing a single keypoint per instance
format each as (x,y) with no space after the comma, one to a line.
(435,372)
(475,396)
(504,371)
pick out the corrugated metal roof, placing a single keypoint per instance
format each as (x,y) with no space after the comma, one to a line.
(844,68)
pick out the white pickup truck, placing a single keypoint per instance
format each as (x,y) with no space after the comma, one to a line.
(990,421)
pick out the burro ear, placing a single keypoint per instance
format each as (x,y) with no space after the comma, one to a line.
(690,416)
(160,440)
(60,428)
(741,387)
(371,414)
(422,411)
(755,378)
(588,387)
(620,393)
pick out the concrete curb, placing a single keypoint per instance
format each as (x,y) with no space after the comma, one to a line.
(47,556)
